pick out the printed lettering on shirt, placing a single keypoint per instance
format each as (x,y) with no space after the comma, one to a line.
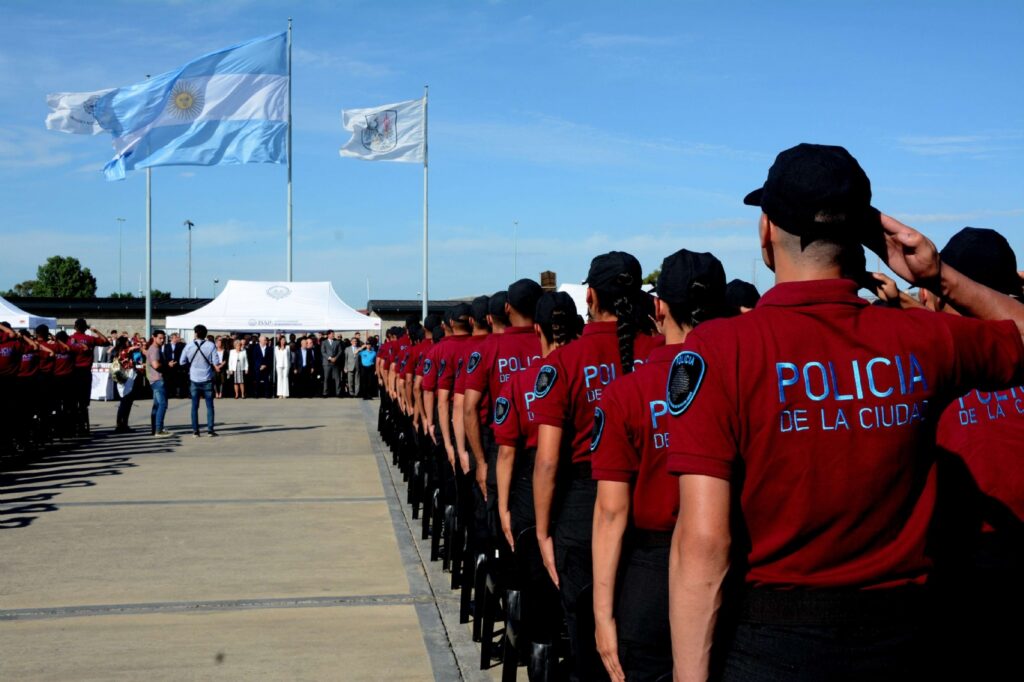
(658,409)
(528,399)
(596,377)
(474,360)
(597,430)
(545,380)
(684,380)
(501,409)
(896,381)
(994,406)
(508,365)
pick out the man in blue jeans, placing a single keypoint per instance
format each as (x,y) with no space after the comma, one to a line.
(154,372)
(200,356)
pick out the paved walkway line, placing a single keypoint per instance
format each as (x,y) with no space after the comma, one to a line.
(287,500)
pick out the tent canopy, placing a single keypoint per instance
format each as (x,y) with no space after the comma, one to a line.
(19,319)
(246,306)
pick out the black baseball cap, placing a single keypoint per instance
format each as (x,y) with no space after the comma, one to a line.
(551,301)
(496,304)
(740,294)
(480,307)
(431,320)
(690,278)
(523,295)
(461,311)
(985,256)
(816,190)
(615,270)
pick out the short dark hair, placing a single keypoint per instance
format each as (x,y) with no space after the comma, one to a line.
(200,331)
(159,332)
(81,325)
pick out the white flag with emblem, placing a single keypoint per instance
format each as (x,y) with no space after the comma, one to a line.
(72,112)
(393,132)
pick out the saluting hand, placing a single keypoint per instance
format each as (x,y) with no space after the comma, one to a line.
(608,646)
(910,254)
(547,554)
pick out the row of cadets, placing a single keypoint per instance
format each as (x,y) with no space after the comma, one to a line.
(567,389)
(827,526)
(555,324)
(637,499)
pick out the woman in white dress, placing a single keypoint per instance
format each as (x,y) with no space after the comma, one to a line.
(238,367)
(282,366)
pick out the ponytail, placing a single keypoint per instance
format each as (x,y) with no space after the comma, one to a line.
(625,328)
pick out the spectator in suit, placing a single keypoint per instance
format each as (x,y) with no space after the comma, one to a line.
(330,350)
(304,368)
(172,351)
(352,366)
(261,367)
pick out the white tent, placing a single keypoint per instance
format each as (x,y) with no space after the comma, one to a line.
(246,306)
(579,296)
(19,319)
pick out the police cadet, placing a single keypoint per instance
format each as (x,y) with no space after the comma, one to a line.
(740,297)
(481,329)
(501,357)
(817,411)
(83,343)
(452,350)
(414,371)
(980,505)
(568,388)
(637,498)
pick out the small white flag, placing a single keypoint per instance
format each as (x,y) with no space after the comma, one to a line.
(72,112)
(393,132)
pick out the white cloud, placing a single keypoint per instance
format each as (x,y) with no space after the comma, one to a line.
(602,41)
(961,218)
(967,145)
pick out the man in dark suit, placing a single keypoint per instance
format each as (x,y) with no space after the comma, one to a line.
(330,351)
(305,364)
(261,367)
(173,378)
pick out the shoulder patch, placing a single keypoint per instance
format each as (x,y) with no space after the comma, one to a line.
(474,360)
(458,368)
(501,410)
(440,368)
(545,380)
(684,380)
(597,430)
(426,366)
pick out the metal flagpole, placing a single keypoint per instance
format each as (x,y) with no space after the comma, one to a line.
(426,222)
(289,149)
(149,252)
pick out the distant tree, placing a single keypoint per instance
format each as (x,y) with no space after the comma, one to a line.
(652,278)
(23,289)
(122,294)
(157,294)
(64,277)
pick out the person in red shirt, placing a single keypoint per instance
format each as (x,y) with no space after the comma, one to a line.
(459,322)
(83,343)
(568,388)
(637,499)
(980,505)
(31,423)
(556,323)
(63,366)
(813,416)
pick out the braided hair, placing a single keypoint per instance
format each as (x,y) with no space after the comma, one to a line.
(621,299)
(557,318)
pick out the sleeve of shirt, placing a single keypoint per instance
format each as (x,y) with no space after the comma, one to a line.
(428,368)
(460,373)
(552,408)
(479,378)
(613,456)
(704,438)
(445,371)
(506,432)
(989,355)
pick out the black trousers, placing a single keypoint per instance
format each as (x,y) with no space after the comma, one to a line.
(641,610)
(801,636)
(574,561)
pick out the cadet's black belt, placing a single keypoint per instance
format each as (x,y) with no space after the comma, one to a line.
(580,471)
(832,607)
(646,539)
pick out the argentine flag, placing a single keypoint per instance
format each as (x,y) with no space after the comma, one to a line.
(227,107)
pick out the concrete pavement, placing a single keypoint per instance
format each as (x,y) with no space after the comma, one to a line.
(278,551)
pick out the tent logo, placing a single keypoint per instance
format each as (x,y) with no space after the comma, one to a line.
(278,292)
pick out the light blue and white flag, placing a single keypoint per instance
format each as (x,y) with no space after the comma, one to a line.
(227,107)
(72,112)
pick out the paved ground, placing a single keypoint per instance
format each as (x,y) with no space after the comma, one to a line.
(279,551)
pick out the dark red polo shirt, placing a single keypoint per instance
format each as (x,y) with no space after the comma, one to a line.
(419,354)
(47,361)
(10,354)
(84,344)
(644,346)
(471,358)
(501,356)
(431,363)
(384,354)
(828,407)
(630,441)
(29,364)
(449,360)
(986,431)
(570,383)
(63,362)
(513,418)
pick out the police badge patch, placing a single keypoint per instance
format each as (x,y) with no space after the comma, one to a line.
(684,380)
(597,430)
(501,409)
(426,367)
(474,360)
(440,368)
(458,369)
(545,380)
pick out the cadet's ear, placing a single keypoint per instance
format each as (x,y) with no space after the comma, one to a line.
(765,231)
(660,310)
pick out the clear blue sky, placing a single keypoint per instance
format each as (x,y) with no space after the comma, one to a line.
(595,125)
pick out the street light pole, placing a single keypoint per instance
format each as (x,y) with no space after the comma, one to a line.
(120,224)
(189,224)
(515,250)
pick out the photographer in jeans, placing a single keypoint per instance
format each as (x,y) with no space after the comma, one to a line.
(201,358)
(154,372)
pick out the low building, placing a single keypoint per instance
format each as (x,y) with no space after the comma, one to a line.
(122,314)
